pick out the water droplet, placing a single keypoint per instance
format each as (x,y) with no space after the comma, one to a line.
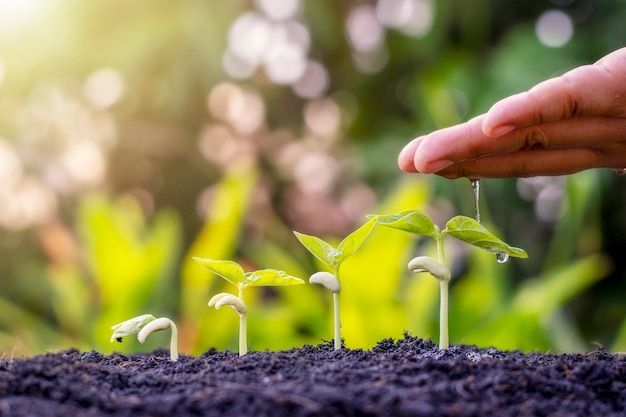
(502,257)
(476,190)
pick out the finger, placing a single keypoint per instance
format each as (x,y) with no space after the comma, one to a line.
(591,90)
(465,142)
(525,163)
(441,148)
(405,158)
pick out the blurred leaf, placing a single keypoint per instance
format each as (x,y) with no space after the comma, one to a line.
(129,260)
(217,240)
(559,286)
(271,277)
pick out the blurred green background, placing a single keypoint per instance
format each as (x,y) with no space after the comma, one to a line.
(135,135)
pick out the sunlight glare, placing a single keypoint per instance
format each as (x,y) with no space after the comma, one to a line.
(14,14)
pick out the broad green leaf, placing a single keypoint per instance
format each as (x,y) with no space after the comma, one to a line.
(413,221)
(354,240)
(229,270)
(470,231)
(271,277)
(320,249)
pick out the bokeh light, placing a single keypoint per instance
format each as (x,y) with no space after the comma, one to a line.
(554,28)
(412,17)
(314,82)
(104,88)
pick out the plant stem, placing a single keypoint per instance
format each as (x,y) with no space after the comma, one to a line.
(243,335)
(173,341)
(243,328)
(440,252)
(443,315)
(443,299)
(337,320)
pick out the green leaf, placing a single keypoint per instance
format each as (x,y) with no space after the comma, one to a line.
(354,240)
(470,231)
(271,277)
(229,270)
(320,249)
(413,221)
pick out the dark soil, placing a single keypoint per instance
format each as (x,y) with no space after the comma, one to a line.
(408,377)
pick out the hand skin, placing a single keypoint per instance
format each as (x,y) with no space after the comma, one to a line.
(563,125)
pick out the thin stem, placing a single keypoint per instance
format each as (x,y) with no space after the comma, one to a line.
(243,328)
(173,341)
(443,299)
(243,335)
(337,320)
(443,315)
(440,252)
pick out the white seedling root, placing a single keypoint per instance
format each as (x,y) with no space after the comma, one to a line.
(326,279)
(156,325)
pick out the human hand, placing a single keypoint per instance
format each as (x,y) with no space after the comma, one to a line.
(563,125)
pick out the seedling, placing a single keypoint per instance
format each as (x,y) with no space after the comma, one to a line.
(463,228)
(145,325)
(333,257)
(237,304)
(233,273)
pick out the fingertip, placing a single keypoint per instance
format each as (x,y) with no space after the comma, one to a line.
(406,157)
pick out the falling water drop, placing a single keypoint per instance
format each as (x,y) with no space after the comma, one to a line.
(502,257)
(476,190)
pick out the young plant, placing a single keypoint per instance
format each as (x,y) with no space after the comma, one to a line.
(333,257)
(233,273)
(237,304)
(463,228)
(145,325)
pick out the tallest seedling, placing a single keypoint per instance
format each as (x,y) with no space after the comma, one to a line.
(463,228)
(333,257)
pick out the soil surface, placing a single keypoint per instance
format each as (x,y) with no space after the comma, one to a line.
(407,377)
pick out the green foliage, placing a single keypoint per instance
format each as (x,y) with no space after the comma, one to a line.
(333,257)
(233,273)
(461,227)
(132,263)
(206,186)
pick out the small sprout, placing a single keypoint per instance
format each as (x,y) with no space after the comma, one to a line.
(463,228)
(233,273)
(326,279)
(130,326)
(145,325)
(225,299)
(333,257)
(441,274)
